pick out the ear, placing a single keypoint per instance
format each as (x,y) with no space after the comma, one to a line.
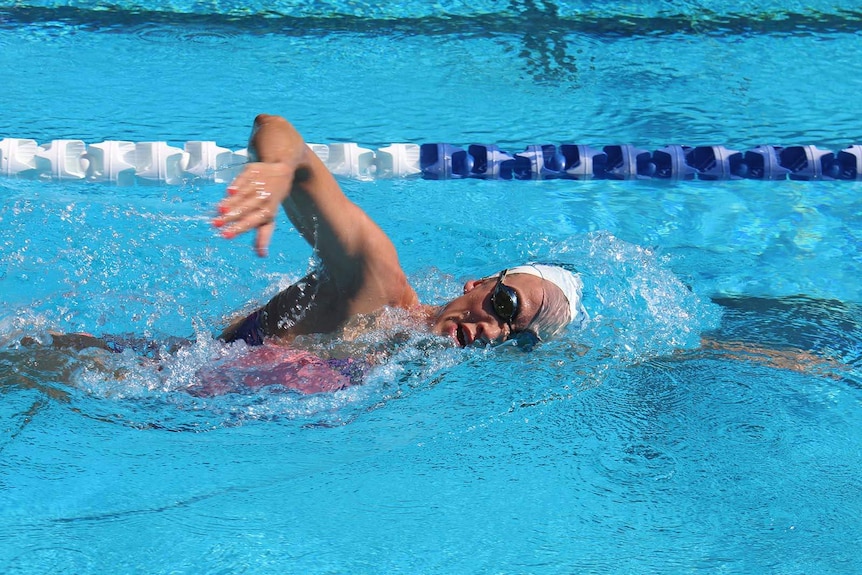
(468,287)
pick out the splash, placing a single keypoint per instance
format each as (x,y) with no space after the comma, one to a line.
(639,308)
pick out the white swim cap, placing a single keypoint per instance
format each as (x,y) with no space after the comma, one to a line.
(569,283)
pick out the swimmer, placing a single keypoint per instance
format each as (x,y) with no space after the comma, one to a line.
(360,272)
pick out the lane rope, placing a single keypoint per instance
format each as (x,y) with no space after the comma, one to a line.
(129,163)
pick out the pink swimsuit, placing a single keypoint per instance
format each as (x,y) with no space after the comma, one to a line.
(280,367)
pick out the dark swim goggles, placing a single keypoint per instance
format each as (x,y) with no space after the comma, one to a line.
(504,301)
(506,306)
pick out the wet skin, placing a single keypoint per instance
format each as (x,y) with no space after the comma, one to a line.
(470,319)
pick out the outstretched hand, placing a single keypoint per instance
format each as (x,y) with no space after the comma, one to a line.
(253,201)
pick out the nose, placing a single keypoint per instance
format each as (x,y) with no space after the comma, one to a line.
(488,332)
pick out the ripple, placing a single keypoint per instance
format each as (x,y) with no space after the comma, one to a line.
(50,560)
(157,33)
(210,37)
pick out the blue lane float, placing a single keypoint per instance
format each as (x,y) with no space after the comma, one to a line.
(129,163)
(849,162)
(487,161)
(763,163)
(582,162)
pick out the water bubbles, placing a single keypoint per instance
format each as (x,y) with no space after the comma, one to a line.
(639,306)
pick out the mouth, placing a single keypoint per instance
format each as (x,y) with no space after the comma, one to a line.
(460,337)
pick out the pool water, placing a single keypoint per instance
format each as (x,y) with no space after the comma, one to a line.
(624,447)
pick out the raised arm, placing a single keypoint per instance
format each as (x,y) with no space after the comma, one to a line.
(362,268)
(285,171)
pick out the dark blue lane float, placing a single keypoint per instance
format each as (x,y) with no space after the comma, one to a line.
(627,162)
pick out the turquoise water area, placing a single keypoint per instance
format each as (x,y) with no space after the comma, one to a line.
(623,448)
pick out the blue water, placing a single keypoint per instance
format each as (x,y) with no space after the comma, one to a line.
(622,448)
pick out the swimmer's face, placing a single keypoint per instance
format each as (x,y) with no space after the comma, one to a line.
(481,316)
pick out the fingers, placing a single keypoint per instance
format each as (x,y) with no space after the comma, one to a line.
(261,240)
(251,190)
(252,202)
(245,218)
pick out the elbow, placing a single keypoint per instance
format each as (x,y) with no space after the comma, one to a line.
(261,119)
